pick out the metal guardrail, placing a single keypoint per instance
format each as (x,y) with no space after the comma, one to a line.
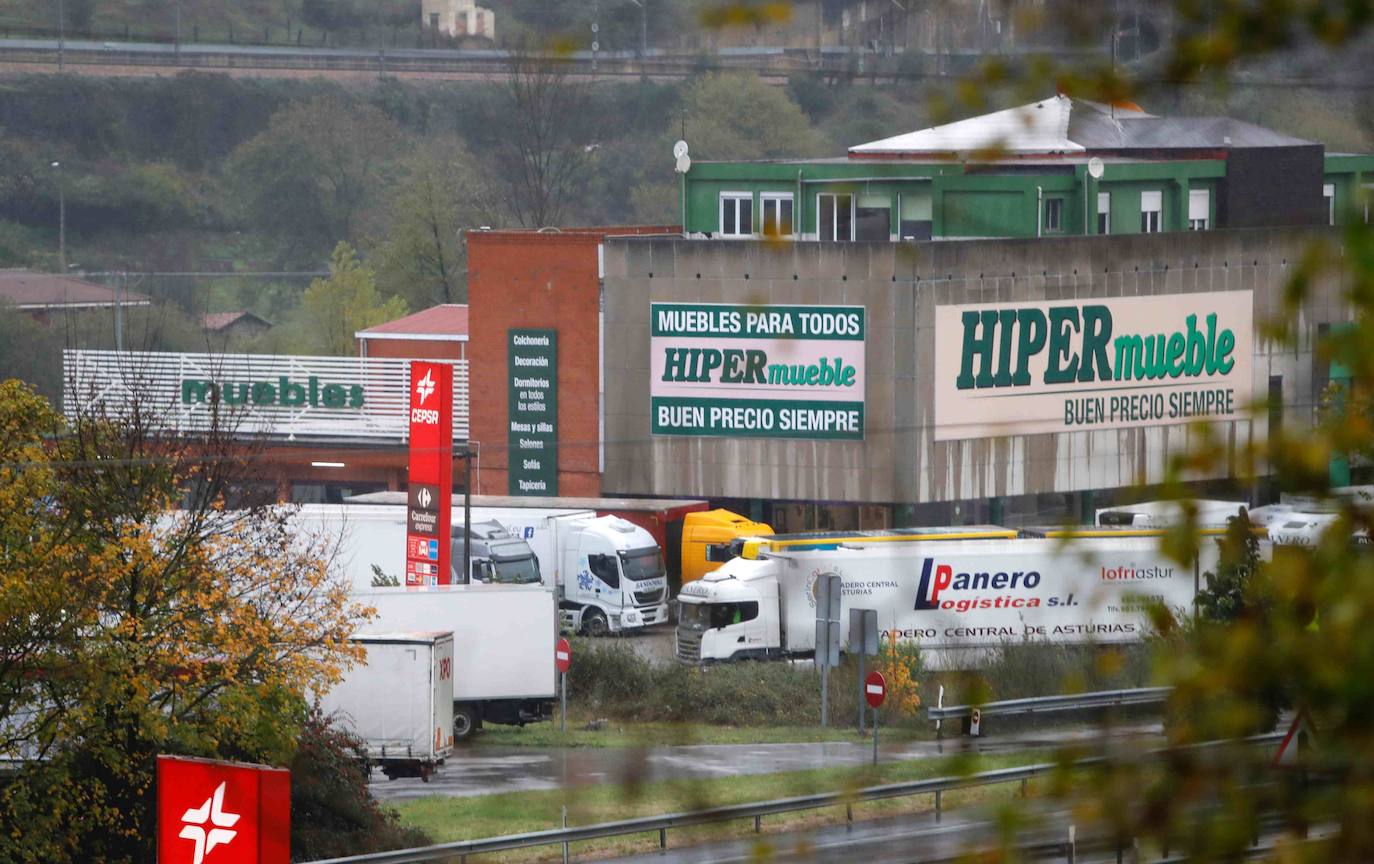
(1049,704)
(755,810)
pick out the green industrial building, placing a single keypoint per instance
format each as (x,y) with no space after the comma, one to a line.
(1056,167)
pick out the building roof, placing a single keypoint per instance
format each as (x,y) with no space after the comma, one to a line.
(447,322)
(217,321)
(33,291)
(1062,125)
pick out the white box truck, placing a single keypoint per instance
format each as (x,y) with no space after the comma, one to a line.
(399,700)
(503,639)
(944,595)
(608,571)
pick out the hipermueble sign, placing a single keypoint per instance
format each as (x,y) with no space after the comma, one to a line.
(735,370)
(1108,363)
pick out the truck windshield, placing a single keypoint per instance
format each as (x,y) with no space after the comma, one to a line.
(694,616)
(517,571)
(641,564)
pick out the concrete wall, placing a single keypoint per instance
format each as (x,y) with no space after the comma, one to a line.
(901,284)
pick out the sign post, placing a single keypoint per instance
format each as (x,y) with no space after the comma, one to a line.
(875,691)
(863,640)
(241,811)
(827,588)
(562,658)
(429,510)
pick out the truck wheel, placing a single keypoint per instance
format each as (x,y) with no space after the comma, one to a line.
(465,722)
(594,623)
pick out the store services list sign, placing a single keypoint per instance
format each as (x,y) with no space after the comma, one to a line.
(533,410)
(741,371)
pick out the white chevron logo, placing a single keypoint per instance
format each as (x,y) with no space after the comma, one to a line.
(425,386)
(212,811)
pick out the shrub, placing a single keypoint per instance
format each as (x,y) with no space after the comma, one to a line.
(332,812)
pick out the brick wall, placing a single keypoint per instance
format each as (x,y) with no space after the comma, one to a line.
(527,279)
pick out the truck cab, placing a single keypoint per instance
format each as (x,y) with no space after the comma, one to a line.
(497,557)
(613,576)
(730,614)
(707,537)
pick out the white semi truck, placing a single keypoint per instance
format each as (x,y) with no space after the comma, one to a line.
(399,700)
(609,572)
(944,595)
(503,645)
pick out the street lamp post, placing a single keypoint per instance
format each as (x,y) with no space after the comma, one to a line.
(61,36)
(61,219)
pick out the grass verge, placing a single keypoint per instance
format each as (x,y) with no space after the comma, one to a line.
(635,734)
(448,819)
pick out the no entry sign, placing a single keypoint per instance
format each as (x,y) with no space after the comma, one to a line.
(562,655)
(875,689)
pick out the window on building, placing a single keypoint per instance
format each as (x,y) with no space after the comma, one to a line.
(1151,206)
(736,214)
(1054,216)
(777,214)
(1104,212)
(914,215)
(1199,209)
(1329,193)
(874,222)
(834,217)
(434,20)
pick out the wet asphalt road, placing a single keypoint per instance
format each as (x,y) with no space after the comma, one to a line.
(478,770)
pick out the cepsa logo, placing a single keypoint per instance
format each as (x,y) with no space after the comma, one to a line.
(943,588)
(427,416)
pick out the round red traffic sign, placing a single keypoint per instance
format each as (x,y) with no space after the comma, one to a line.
(562,655)
(875,689)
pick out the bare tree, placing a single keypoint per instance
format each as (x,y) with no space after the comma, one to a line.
(541,158)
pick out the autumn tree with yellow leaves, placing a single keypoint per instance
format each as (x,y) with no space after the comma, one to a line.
(139,616)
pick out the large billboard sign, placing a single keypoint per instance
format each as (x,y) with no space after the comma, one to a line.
(429,511)
(532,367)
(222,812)
(1082,365)
(741,371)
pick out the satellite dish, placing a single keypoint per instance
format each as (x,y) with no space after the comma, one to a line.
(684,163)
(1095,168)
(679,149)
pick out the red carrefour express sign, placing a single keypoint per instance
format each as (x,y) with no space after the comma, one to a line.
(428,509)
(222,812)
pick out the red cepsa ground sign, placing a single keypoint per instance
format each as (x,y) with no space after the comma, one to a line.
(875,689)
(223,812)
(562,655)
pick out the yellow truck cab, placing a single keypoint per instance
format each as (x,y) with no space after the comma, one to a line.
(707,534)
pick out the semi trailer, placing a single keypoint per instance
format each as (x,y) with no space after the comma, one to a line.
(399,701)
(503,645)
(942,594)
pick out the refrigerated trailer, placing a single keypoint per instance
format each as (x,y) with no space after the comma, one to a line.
(399,701)
(944,595)
(503,640)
